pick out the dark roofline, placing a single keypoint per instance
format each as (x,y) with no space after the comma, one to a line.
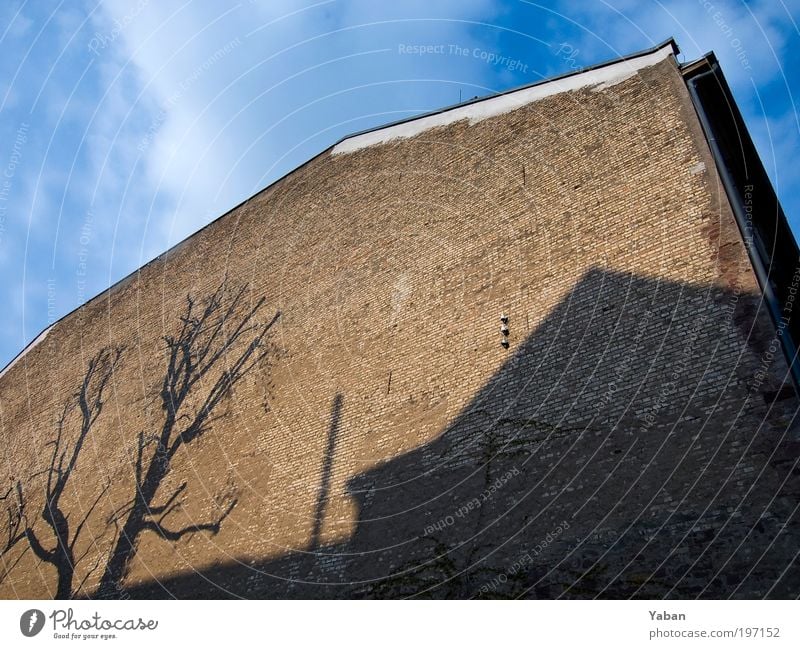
(689,68)
(174,247)
(766,235)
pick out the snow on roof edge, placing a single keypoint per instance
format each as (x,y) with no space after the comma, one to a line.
(599,78)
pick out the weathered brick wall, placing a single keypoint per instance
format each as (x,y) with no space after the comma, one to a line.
(625,444)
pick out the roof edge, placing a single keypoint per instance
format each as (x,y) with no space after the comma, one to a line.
(628,57)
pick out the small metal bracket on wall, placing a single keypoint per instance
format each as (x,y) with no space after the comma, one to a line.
(504,330)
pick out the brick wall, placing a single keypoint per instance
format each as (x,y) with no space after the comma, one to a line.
(630,441)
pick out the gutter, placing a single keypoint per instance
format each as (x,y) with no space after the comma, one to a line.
(774,268)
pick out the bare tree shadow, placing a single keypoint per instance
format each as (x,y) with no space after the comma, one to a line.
(15,530)
(218,342)
(57,544)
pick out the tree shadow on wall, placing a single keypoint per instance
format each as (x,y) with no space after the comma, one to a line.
(14,507)
(220,340)
(57,543)
(633,445)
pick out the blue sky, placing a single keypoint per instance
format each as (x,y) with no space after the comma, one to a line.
(126,126)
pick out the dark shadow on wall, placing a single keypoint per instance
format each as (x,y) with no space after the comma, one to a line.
(632,446)
(327,469)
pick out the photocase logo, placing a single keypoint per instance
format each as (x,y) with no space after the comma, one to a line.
(31,622)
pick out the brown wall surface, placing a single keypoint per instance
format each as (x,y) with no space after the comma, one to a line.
(630,442)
